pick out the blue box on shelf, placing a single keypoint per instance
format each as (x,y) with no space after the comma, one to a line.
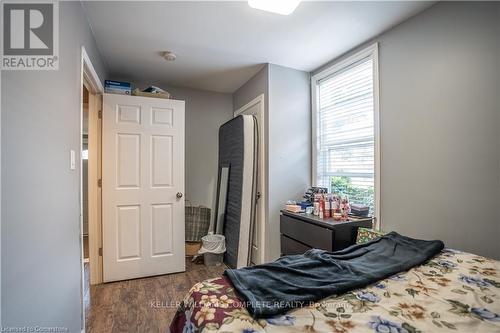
(117,87)
(304,204)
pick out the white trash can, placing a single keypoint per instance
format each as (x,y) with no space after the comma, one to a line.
(213,248)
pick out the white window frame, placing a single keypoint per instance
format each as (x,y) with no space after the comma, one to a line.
(372,51)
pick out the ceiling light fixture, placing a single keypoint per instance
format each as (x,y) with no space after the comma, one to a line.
(168,55)
(283,7)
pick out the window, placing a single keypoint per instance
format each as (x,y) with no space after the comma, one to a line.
(345,127)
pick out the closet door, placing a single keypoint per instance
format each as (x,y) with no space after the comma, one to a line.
(142,186)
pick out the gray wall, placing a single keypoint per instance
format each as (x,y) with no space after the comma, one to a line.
(288,123)
(289,146)
(0,199)
(498,97)
(257,85)
(439,116)
(41,263)
(205,112)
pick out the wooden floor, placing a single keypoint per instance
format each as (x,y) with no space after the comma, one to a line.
(141,305)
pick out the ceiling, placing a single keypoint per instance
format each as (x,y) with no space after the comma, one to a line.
(220,45)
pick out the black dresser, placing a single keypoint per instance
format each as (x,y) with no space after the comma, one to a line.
(301,232)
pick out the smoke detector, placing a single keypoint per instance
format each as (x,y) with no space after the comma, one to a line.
(168,55)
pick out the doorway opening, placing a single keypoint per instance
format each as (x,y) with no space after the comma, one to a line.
(90,184)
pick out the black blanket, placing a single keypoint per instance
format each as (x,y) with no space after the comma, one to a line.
(295,281)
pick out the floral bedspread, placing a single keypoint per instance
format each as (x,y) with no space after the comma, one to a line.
(453,292)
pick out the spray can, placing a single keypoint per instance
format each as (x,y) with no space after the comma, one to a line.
(328,205)
(316,206)
(321,207)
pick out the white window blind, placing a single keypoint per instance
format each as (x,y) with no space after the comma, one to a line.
(345,132)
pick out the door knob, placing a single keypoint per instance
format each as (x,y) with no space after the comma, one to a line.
(179,195)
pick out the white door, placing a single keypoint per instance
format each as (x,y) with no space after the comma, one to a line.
(256,108)
(142,187)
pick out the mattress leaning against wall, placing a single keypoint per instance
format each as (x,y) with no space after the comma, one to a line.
(238,151)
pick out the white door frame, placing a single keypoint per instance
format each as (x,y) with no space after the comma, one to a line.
(89,76)
(262,169)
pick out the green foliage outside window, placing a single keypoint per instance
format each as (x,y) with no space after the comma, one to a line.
(357,194)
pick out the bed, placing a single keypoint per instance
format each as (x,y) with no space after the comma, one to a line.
(453,292)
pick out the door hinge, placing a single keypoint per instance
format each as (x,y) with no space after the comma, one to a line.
(99,182)
(100,251)
(99,114)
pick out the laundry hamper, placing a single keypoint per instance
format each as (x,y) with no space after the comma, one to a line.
(197,224)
